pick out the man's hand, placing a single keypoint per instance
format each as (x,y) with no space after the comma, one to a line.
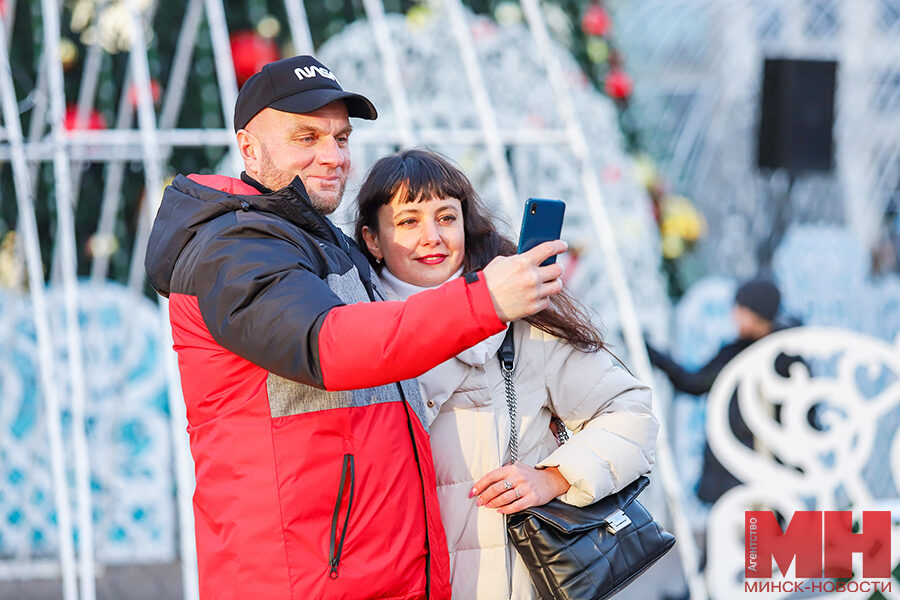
(518,486)
(520,287)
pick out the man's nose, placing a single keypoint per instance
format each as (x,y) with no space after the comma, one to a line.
(329,152)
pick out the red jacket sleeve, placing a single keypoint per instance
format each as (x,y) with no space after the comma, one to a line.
(371,344)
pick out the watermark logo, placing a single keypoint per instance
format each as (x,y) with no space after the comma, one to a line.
(820,544)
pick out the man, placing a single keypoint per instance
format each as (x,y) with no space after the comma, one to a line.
(313,467)
(755,310)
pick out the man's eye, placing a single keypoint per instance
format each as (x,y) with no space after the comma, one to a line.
(343,140)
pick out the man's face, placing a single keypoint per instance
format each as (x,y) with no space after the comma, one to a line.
(315,146)
(750,325)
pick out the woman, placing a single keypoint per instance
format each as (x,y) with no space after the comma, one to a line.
(421,223)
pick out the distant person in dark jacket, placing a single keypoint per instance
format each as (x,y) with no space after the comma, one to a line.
(755,310)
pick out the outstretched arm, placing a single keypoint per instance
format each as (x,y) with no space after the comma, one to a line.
(690,382)
(261,298)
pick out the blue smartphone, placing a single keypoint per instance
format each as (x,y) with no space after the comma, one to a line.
(541,222)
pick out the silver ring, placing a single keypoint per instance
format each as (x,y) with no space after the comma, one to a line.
(518,494)
(507,484)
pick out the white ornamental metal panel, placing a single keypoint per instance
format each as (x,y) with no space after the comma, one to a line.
(127,428)
(847,457)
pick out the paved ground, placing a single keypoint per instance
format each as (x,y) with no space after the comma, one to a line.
(144,582)
(663,581)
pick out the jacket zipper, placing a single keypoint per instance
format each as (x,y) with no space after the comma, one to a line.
(363,271)
(412,439)
(334,553)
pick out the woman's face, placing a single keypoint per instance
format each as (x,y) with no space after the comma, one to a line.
(422,243)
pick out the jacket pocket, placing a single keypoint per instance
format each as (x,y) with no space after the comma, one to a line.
(336,546)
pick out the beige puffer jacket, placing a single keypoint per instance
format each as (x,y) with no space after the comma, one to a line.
(607,409)
(613,443)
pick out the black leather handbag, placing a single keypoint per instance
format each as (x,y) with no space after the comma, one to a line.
(583,553)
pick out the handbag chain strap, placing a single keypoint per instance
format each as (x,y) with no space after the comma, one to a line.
(507,356)
(562,434)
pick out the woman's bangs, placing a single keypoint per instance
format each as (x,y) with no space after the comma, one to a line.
(424,180)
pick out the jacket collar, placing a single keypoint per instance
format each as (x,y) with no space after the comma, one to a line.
(192,201)
(250,181)
(291,203)
(484,351)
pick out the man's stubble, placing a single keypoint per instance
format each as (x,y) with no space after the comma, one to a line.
(274,178)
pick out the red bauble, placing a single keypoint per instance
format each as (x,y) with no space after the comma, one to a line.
(596,21)
(155,92)
(618,85)
(93,120)
(250,52)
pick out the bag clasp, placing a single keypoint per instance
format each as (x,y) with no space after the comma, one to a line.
(617,521)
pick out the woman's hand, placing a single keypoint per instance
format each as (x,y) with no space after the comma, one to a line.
(518,486)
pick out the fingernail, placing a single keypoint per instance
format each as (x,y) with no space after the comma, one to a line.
(479,503)
(471,492)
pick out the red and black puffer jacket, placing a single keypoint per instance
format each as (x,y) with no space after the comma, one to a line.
(313,466)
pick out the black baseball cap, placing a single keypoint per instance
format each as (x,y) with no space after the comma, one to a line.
(299,84)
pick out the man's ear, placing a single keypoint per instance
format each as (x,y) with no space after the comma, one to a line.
(249,147)
(372,242)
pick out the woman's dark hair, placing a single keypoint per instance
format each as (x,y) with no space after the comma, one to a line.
(420,175)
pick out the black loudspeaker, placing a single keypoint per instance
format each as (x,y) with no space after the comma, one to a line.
(797,115)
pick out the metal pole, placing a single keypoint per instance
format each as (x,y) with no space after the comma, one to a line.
(218,30)
(299,26)
(39,112)
(484,108)
(87,91)
(108,145)
(390,64)
(181,64)
(631,328)
(153,184)
(86,94)
(69,256)
(112,186)
(28,225)
(9,22)
(115,173)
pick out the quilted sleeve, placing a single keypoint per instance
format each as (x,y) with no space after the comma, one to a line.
(609,412)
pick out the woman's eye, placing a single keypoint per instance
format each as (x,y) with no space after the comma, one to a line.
(448,219)
(406,222)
